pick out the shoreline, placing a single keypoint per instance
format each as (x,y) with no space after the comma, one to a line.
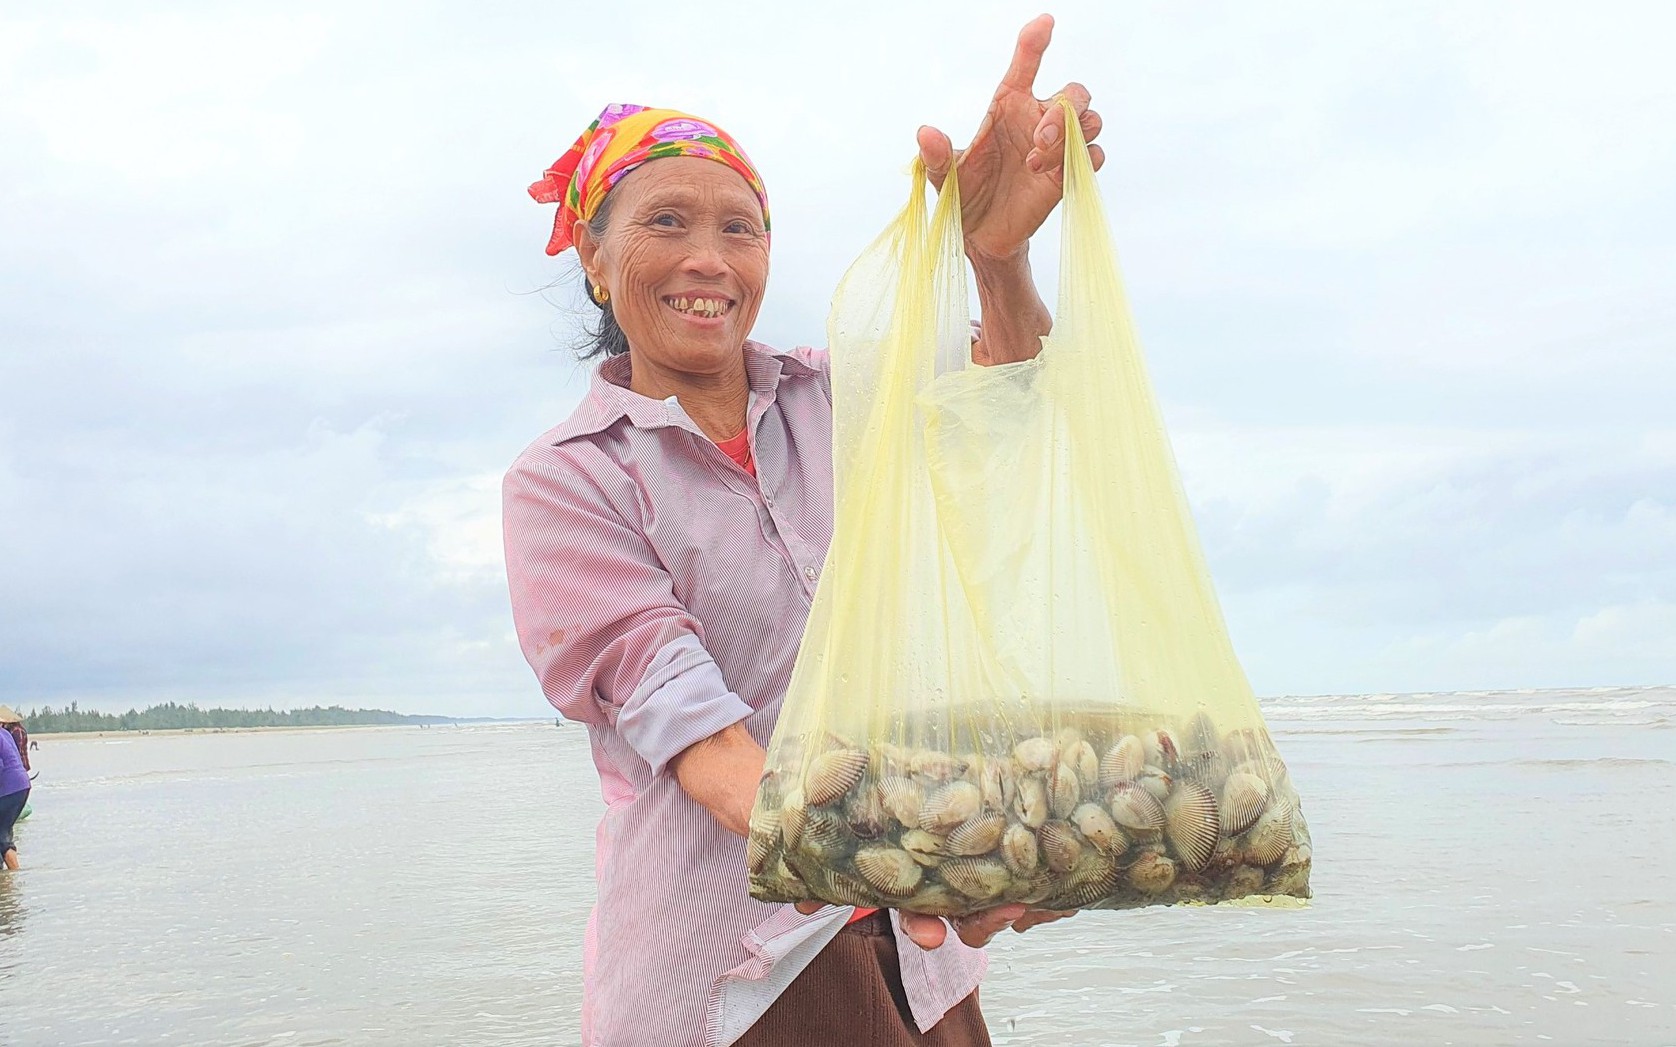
(279,728)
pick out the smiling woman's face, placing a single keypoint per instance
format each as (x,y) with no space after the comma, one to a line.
(685,260)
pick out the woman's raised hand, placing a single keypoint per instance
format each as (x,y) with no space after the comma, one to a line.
(1011,175)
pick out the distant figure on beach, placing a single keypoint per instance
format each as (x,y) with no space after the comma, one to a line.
(14,793)
(663,546)
(13,725)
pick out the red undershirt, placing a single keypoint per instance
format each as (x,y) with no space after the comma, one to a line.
(738,448)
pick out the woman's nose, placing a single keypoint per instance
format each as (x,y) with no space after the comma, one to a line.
(705,253)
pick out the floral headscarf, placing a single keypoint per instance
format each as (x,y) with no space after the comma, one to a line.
(623,138)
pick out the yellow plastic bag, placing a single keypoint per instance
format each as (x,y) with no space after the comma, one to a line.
(1015,684)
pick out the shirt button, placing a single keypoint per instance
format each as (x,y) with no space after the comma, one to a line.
(809,573)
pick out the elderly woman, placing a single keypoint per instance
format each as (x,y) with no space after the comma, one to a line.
(663,545)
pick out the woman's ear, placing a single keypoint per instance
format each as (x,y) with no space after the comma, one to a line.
(587,251)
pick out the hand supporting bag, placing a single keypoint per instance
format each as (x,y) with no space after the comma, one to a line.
(1016,683)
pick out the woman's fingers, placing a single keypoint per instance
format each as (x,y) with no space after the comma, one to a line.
(937,153)
(927,932)
(1037,917)
(1033,39)
(976,930)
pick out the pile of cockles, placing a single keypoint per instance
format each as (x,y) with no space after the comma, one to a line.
(1091,816)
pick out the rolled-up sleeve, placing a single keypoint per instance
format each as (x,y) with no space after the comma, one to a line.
(598,619)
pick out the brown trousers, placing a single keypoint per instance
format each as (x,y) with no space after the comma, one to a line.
(852,996)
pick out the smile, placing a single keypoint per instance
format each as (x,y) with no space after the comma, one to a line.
(708,308)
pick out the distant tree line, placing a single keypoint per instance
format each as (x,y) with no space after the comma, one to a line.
(172,716)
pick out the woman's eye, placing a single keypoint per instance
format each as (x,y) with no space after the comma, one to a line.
(739,227)
(664,219)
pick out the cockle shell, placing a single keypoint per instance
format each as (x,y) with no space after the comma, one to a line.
(1031,804)
(759,847)
(1201,733)
(1243,797)
(937,766)
(1087,763)
(1190,824)
(1156,782)
(997,784)
(1268,839)
(1152,873)
(832,774)
(1122,762)
(826,834)
(1161,748)
(794,813)
(1064,791)
(901,798)
(866,814)
(949,805)
(1246,743)
(937,899)
(1209,767)
(842,888)
(978,834)
(889,870)
(1095,877)
(1098,827)
(1036,754)
(925,848)
(1019,850)
(976,878)
(1060,845)
(1133,807)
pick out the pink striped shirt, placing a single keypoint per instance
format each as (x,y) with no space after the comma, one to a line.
(659,592)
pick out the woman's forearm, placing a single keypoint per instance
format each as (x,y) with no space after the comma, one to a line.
(721,774)
(1011,312)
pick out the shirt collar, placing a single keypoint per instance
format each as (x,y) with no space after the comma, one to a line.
(610,399)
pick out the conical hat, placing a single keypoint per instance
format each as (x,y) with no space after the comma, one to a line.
(8,716)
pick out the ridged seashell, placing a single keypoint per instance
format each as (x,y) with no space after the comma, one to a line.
(1034,887)
(1209,767)
(937,899)
(1019,850)
(1095,877)
(759,847)
(1269,768)
(831,775)
(1122,762)
(1271,836)
(976,878)
(1243,798)
(1201,733)
(1246,743)
(766,820)
(949,805)
(925,848)
(1156,782)
(1060,845)
(889,870)
(1190,824)
(997,784)
(978,834)
(843,889)
(937,766)
(1244,880)
(1152,873)
(1161,748)
(826,834)
(1087,763)
(1098,827)
(1064,791)
(1031,803)
(1036,754)
(1133,807)
(901,799)
(866,814)
(794,813)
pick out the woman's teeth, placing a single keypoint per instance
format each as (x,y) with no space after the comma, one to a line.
(710,307)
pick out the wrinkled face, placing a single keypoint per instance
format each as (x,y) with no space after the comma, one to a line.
(685,259)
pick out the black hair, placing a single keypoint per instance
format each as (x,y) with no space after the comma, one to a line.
(606,338)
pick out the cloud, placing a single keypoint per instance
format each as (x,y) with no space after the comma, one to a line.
(274,320)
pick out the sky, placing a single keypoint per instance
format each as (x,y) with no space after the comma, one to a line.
(275,315)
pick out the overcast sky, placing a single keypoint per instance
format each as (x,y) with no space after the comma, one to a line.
(272,320)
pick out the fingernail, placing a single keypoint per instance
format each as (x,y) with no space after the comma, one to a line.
(1050,134)
(1033,161)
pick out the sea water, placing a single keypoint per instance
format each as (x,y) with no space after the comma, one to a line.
(1490,868)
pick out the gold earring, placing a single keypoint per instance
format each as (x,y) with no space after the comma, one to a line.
(601,295)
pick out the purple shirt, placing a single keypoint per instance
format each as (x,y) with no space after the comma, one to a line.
(659,592)
(13,777)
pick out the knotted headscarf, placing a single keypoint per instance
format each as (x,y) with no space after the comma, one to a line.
(623,138)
